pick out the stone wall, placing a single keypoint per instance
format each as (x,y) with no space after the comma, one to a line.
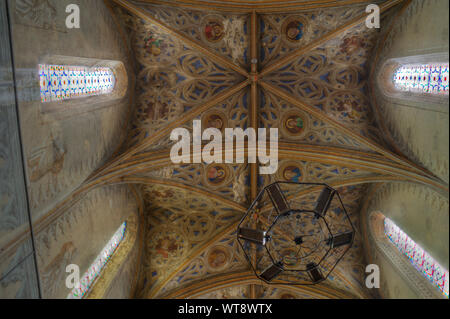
(17,269)
(78,236)
(60,148)
(423,215)
(418,125)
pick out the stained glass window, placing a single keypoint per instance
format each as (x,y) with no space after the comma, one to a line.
(421,260)
(423,78)
(99,263)
(62,82)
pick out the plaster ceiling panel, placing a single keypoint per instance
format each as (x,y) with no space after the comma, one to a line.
(223,259)
(299,126)
(313,172)
(318,100)
(225,33)
(272,292)
(172,78)
(180,225)
(225,181)
(333,80)
(219,258)
(230,113)
(284,33)
(234,292)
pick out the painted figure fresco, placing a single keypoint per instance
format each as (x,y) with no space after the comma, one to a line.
(214,31)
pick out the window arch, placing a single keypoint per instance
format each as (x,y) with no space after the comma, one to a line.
(422,78)
(70,85)
(99,263)
(420,259)
(62,82)
(400,262)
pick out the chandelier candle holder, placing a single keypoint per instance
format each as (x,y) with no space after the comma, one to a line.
(293,241)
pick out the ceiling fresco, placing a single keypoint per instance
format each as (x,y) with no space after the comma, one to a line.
(172,77)
(333,78)
(283,33)
(302,72)
(224,257)
(299,126)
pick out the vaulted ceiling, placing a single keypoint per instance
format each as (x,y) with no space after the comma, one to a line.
(304,69)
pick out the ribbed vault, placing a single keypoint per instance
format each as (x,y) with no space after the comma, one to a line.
(247,66)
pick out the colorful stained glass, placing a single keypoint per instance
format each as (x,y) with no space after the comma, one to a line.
(421,260)
(62,82)
(428,78)
(99,263)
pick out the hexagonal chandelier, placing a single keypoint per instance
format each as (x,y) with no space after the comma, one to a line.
(287,241)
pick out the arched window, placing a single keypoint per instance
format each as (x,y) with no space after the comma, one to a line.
(62,82)
(99,263)
(73,85)
(420,259)
(422,78)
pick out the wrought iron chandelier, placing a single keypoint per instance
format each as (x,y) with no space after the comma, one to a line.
(287,241)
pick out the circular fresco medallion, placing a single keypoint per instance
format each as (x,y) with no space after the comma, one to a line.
(293,29)
(294,124)
(218,257)
(216,174)
(291,172)
(213,30)
(214,120)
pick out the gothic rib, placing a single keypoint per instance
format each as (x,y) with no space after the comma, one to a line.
(197,252)
(191,114)
(363,219)
(153,292)
(253,98)
(141,211)
(200,192)
(129,179)
(113,267)
(322,154)
(361,139)
(379,166)
(336,184)
(193,43)
(253,117)
(387,135)
(248,277)
(330,35)
(259,7)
